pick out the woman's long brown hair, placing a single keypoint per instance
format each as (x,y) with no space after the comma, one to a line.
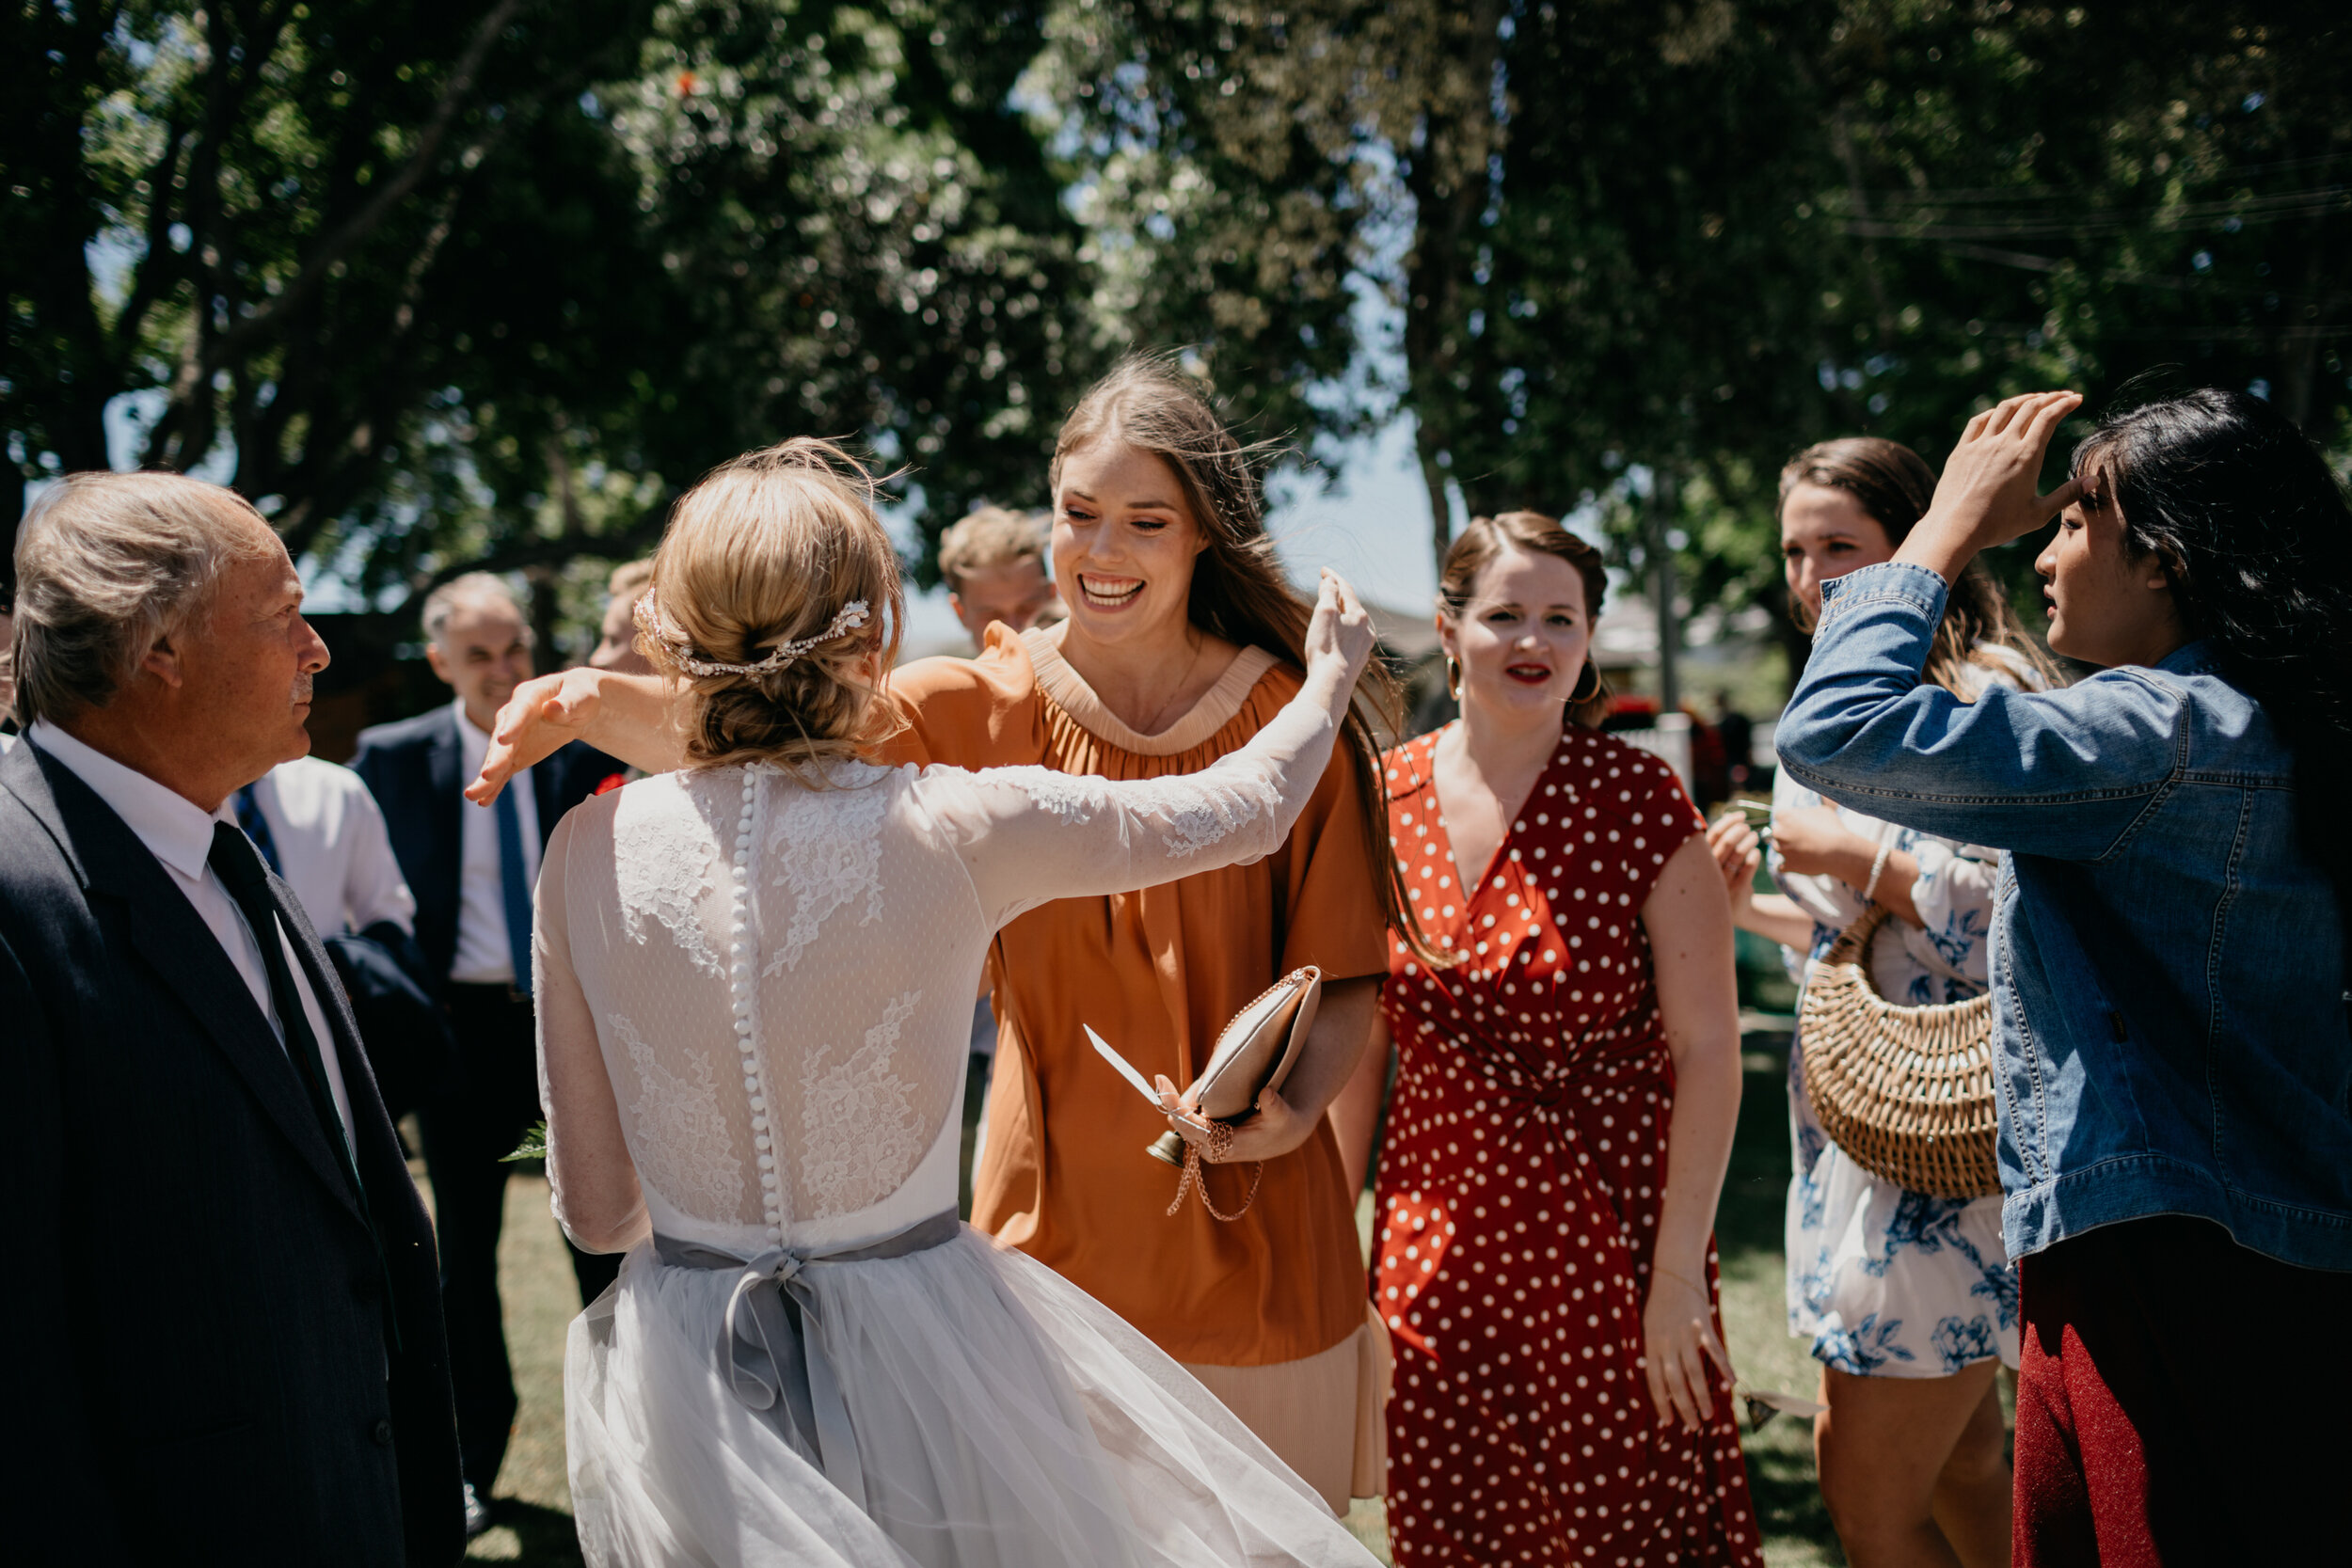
(1893,486)
(1238,589)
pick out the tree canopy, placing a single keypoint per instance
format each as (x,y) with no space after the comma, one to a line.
(456,286)
(1689,239)
(441,285)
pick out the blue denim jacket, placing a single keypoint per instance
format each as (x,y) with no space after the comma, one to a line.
(2168,965)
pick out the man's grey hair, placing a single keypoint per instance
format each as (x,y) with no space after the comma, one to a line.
(107,565)
(474,587)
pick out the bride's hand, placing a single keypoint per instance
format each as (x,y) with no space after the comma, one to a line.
(1275,1131)
(1679,1334)
(542,717)
(1339,637)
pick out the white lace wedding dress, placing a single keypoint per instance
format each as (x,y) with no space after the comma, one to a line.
(757,994)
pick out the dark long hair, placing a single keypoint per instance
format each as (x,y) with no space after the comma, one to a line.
(1238,591)
(2255,537)
(1893,486)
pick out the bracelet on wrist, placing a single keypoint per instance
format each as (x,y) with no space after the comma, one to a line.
(1878,869)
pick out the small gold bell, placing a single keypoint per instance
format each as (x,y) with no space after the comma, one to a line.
(1168,1147)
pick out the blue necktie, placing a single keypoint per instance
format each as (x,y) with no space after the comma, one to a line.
(514,885)
(256,828)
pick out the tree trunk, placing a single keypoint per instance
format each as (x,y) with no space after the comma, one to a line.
(1447,178)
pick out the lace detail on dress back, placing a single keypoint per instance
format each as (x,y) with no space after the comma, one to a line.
(857,912)
(826,849)
(859,1117)
(788,1059)
(686,1151)
(663,869)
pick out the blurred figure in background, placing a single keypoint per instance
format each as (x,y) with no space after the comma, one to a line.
(993,563)
(1737,732)
(473,871)
(7,667)
(616,641)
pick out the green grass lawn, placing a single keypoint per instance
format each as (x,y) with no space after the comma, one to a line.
(533,1503)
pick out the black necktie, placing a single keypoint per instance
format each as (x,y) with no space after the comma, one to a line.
(238,865)
(256,828)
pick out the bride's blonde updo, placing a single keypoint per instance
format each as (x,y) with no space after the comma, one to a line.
(776,601)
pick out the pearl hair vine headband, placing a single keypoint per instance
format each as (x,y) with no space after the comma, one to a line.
(649,617)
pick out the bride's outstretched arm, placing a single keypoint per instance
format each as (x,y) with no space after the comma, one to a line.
(1029,835)
(591,1179)
(629,717)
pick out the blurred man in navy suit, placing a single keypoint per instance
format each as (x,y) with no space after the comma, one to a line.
(471,870)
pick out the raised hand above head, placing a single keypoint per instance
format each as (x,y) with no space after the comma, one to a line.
(1990,490)
(1339,638)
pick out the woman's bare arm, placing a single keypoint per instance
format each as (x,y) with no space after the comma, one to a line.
(1355,1113)
(1688,919)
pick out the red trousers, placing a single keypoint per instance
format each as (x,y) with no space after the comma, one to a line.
(2182,1401)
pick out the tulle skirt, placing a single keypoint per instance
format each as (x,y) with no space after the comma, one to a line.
(1004,1419)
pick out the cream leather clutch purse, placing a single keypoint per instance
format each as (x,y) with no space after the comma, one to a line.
(1253,1053)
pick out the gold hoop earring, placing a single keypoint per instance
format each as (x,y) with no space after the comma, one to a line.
(1587,684)
(1452,679)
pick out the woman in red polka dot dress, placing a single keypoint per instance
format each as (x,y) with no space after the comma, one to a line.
(1562,1114)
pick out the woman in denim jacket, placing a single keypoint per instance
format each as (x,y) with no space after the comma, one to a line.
(1908,1300)
(2169,969)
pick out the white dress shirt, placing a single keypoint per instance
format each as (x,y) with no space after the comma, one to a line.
(332,849)
(483,958)
(180,835)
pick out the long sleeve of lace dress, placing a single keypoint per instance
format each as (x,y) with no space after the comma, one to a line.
(592,1183)
(1029,835)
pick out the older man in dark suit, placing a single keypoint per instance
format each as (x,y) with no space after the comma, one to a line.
(473,871)
(221,1316)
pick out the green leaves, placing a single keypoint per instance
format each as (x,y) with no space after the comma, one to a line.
(533,1147)
(444,285)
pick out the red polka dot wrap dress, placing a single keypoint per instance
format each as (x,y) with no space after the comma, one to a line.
(1520,1178)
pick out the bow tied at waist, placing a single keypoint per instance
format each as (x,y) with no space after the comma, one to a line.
(1547,1085)
(772,1341)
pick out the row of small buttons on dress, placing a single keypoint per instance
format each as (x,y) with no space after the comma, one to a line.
(741,982)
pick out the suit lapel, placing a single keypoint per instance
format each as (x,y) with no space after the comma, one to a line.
(545,794)
(176,944)
(442,766)
(369,1122)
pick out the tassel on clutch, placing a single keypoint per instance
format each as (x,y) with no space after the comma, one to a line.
(1254,1053)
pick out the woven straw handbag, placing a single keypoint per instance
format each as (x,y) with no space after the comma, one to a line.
(1906,1092)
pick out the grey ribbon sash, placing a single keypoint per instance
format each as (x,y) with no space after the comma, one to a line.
(771,1343)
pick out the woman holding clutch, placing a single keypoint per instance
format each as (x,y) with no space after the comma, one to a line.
(1182,641)
(1566,1091)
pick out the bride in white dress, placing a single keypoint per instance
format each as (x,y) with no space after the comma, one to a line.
(754,984)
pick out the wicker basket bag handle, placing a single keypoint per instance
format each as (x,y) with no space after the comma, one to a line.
(1906,1092)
